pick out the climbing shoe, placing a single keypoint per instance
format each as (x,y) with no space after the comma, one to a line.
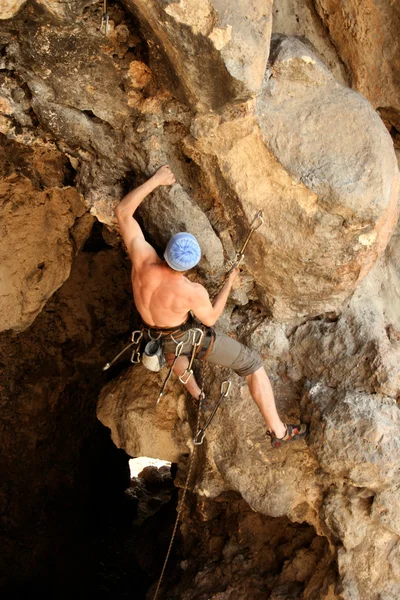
(293,432)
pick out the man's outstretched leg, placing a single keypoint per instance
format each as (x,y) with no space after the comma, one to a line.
(262,394)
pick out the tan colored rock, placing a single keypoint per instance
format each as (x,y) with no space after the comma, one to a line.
(141,427)
(9,8)
(354,436)
(36,248)
(386,508)
(217,51)
(365,35)
(368,560)
(328,216)
(299,18)
(360,348)
(298,116)
(139,74)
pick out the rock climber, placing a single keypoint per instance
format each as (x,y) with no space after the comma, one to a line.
(166,300)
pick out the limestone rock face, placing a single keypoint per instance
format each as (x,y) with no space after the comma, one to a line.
(298,114)
(357,433)
(366,37)
(38,227)
(86,117)
(9,8)
(328,215)
(217,51)
(134,397)
(300,18)
(357,349)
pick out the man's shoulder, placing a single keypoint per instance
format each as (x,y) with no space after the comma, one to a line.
(196,291)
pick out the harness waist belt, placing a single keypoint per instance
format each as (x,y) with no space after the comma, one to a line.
(176,331)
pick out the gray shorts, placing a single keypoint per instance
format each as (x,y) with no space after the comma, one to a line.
(225,352)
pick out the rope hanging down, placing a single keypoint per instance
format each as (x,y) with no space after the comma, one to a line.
(225,389)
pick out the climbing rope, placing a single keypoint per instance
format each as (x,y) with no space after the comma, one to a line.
(185,488)
(184,378)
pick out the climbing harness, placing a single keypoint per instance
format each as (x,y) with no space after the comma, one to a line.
(200,435)
(104,19)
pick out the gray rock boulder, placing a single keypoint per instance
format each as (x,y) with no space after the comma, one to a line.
(312,125)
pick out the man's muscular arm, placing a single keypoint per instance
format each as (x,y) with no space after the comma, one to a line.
(203,309)
(130,229)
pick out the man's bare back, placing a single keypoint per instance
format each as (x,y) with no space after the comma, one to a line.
(162,297)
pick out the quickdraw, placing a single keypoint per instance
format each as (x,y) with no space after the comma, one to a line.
(104,19)
(200,435)
(178,352)
(135,357)
(256,224)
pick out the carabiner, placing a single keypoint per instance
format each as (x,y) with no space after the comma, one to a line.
(186,375)
(135,358)
(200,332)
(202,433)
(178,350)
(259,217)
(226,388)
(104,19)
(136,338)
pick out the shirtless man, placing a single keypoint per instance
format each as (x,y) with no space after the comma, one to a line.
(164,297)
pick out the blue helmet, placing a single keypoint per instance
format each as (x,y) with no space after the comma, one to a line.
(182,252)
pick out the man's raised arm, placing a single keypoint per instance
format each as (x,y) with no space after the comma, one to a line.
(124,211)
(203,309)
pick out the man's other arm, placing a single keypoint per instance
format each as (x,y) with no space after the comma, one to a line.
(130,229)
(201,306)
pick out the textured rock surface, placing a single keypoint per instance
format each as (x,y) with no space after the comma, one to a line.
(217,51)
(353,215)
(40,231)
(294,565)
(358,41)
(84,118)
(9,8)
(366,37)
(300,18)
(125,408)
(336,222)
